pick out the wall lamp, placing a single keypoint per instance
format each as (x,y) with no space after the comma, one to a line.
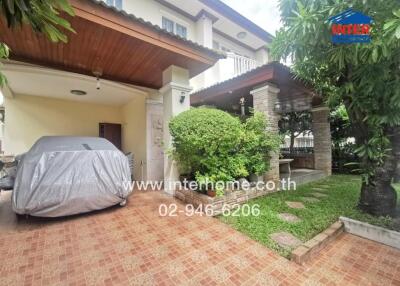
(182,98)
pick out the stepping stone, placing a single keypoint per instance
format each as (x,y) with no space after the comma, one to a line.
(286,240)
(318,189)
(295,205)
(319,195)
(310,199)
(289,217)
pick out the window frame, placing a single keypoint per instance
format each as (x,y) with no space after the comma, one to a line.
(183,29)
(114,3)
(165,21)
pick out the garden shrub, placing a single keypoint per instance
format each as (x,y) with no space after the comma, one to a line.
(206,141)
(216,146)
(257,144)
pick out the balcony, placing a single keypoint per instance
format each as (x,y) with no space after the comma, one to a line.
(231,67)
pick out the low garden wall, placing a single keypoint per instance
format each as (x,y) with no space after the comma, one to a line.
(230,200)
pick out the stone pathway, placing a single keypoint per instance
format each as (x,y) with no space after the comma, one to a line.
(319,195)
(310,199)
(286,240)
(295,205)
(289,217)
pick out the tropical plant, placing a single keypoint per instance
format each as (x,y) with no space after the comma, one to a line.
(42,15)
(344,159)
(257,144)
(364,77)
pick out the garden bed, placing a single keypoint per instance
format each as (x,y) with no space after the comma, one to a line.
(324,202)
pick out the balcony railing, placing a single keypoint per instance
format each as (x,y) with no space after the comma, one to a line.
(233,66)
(241,64)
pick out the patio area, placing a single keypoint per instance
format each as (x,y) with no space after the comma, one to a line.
(134,245)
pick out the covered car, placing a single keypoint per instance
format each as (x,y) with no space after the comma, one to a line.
(62,176)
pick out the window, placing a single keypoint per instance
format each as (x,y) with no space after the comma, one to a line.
(167,25)
(173,27)
(181,31)
(116,3)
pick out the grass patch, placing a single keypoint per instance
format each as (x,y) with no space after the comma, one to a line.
(343,194)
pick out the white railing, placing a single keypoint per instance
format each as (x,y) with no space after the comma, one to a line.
(233,66)
(241,64)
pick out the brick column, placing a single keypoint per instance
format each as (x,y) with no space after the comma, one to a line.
(322,140)
(264,99)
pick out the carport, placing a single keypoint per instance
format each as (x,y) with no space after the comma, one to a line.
(143,72)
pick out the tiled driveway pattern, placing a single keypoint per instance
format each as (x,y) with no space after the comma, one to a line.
(134,246)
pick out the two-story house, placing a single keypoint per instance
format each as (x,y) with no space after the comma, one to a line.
(211,24)
(136,64)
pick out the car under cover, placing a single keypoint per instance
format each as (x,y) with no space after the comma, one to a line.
(64,175)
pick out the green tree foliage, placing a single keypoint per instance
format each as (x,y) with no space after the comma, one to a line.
(343,156)
(42,15)
(215,145)
(365,78)
(295,124)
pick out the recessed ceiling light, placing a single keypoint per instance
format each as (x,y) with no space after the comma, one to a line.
(241,35)
(78,92)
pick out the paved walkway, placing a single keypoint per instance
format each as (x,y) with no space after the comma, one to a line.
(135,246)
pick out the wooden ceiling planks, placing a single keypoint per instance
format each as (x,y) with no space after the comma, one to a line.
(116,49)
(228,92)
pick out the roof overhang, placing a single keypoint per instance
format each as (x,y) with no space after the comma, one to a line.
(120,46)
(294,95)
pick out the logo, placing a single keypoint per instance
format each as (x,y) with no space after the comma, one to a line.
(351,27)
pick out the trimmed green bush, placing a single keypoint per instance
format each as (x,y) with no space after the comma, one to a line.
(207,142)
(214,145)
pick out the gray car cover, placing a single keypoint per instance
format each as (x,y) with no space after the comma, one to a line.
(62,176)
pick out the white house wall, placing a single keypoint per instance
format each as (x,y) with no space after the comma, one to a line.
(30,117)
(224,42)
(153,11)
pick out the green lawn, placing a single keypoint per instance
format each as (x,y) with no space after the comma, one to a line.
(343,193)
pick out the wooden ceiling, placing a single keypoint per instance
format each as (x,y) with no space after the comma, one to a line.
(120,46)
(293,95)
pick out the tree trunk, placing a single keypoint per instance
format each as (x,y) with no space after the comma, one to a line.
(378,197)
(396,154)
(292,138)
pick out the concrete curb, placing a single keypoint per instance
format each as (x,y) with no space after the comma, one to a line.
(371,232)
(311,248)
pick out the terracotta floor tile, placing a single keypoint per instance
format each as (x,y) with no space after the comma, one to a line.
(134,245)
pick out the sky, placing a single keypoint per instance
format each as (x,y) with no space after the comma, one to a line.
(264,13)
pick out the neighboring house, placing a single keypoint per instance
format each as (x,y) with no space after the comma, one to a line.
(135,63)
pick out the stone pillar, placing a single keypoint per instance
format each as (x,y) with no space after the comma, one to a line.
(322,140)
(175,93)
(264,99)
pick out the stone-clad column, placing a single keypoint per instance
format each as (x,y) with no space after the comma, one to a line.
(322,140)
(264,99)
(176,99)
